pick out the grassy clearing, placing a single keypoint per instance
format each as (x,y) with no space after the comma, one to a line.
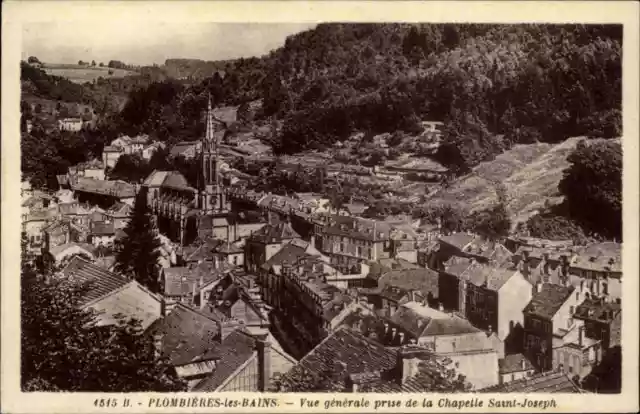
(531,174)
(82,74)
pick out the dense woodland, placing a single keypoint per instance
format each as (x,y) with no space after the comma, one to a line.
(492,85)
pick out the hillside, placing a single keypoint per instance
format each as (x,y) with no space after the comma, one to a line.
(84,73)
(530,173)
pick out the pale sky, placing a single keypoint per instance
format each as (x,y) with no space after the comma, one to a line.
(145,43)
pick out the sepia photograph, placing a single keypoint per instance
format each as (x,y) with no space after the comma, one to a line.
(324,207)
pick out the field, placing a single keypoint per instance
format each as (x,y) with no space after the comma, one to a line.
(82,74)
(531,174)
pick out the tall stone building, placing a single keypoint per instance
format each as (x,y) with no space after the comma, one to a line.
(184,212)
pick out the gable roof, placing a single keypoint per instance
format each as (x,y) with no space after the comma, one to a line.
(236,349)
(421,321)
(187,335)
(550,382)
(115,188)
(514,363)
(100,281)
(548,301)
(493,277)
(179,281)
(288,253)
(423,280)
(56,250)
(275,233)
(347,346)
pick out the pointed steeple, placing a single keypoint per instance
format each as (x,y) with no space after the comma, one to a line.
(210,120)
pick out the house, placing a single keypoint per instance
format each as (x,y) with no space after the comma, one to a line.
(547,383)
(261,245)
(113,297)
(490,297)
(600,265)
(380,267)
(184,284)
(102,192)
(548,318)
(110,155)
(544,265)
(232,253)
(349,241)
(293,252)
(65,251)
(514,367)
(119,213)
(70,124)
(355,208)
(102,233)
(149,150)
(398,286)
(602,321)
(219,355)
(90,169)
(130,145)
(186,149)
(33,225)
(450,336)
(305,303)
(361,364)
(468,246)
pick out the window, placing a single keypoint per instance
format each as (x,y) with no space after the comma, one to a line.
(571,310)
(512,377)
(605,289)
(569,323)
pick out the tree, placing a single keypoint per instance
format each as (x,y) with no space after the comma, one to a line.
(137,253)
(93,63)
(101,64)
(130,167)
(493,223)
(80,63)
(62,348)
(592,186)
(33,59)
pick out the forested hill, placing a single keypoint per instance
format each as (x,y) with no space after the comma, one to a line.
(493,85)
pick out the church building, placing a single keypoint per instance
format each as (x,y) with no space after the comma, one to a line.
(185,213)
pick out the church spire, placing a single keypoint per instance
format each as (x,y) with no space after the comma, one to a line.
(210,120)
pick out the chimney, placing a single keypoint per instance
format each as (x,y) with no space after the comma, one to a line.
(406,364)
(523,364)
(539,287)
(440,307)
(157,345)
(216,262)
(264,364)
(490,330)
(401,335)
(580,334)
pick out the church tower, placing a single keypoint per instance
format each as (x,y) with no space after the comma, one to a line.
(212,202)
(212,198)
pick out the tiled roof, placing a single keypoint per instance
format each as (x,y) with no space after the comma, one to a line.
(355,208)
(514,363)
(489,275)
(56,250)
(551,382)
(111,148)
(275,233)
(383,266)
(187,335)
(181,147)
(100,281)
(422,280)
(422,321)
(119,210)
(236,349)
(595,309)
(360,228)
(119,189)
(179,281)
(288,253)
(347,346)
(103,228)
(601,257)
(549,300)
(457,240)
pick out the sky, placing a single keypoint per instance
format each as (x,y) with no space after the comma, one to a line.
(145,43)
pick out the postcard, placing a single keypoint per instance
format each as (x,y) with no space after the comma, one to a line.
(317,206)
